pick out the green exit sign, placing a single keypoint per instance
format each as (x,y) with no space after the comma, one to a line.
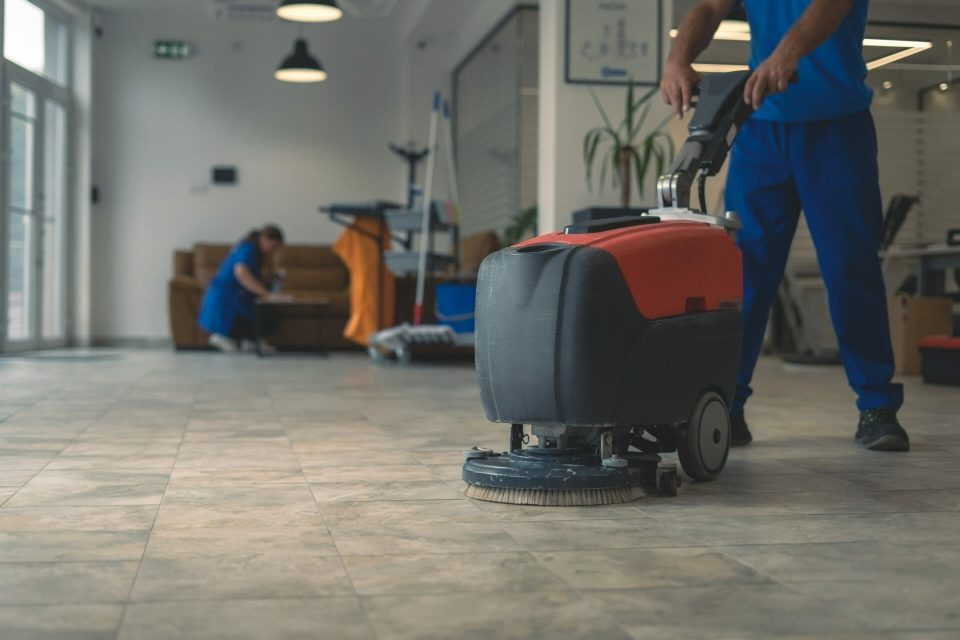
(172,50)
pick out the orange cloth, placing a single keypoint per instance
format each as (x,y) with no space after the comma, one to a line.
(359,252)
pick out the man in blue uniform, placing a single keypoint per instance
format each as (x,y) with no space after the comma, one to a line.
(810,146)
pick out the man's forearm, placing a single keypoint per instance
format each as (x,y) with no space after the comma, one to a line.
(814,27)
(695,33)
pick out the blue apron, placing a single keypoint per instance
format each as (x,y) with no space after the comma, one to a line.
(226,298)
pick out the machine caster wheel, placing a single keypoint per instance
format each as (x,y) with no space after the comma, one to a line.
(375,355)
(705,442)
(399,355)
(668,480)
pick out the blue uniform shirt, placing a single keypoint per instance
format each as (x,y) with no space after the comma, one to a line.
(832,76)
(226,298)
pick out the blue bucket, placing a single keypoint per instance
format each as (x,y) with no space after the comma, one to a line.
(455,306)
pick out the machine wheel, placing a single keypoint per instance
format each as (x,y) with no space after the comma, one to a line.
(403,355)
(668,480)
(705,441)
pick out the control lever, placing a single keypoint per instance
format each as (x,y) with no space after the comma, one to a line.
(720,112)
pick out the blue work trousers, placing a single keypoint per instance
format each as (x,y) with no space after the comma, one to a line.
(827,169)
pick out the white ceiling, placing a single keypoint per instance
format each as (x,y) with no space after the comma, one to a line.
(354,7)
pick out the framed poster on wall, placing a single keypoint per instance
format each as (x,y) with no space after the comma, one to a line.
(612,41)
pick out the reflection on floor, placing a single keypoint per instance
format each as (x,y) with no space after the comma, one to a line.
(168,495)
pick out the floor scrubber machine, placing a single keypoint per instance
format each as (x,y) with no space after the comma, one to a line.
(616,340)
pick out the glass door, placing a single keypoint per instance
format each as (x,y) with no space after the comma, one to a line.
(34,182)
(21,209)
(34,232)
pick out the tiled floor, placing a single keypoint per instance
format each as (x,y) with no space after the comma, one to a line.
(159,495)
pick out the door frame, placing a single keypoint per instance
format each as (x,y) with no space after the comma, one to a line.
(44,90)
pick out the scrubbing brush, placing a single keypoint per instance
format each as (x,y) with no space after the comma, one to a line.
(555,497)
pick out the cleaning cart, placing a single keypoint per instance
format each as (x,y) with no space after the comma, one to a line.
(396,344)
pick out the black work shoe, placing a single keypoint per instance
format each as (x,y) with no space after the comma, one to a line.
(739,431)
(879,430)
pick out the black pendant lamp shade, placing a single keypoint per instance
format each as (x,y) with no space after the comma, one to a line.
(300,66)
(309,10)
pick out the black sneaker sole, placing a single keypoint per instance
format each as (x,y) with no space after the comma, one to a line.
(740,442)
(891,442)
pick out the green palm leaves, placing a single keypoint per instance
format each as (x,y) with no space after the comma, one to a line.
(619,149)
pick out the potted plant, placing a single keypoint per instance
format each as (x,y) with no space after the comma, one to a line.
(622,150)
(522,224)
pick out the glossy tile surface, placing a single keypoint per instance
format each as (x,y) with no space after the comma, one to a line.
(159,495)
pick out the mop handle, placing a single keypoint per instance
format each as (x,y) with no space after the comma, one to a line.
(427,206)
(451,163)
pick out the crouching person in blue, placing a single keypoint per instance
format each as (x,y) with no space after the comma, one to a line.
(228,312)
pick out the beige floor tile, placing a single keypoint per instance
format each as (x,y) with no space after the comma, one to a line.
(65,582)
(441,573)
(595,534)
(647,568)
(756,612)
(59,546)
(369,475)
(61,622)
(501,615)
(846,561)
(400,539)
(90,487)
(16,477)
(273,619)
(237,514)
(911,603)
(391,512)
(177,543)
(186,478)
(78,518)
(373,491)
(239,574)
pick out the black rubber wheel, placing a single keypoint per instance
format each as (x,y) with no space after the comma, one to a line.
(669,483)
(705,442)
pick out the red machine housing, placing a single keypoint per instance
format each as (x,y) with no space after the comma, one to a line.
(612,322)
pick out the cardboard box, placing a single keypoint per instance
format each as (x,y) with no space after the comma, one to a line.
(911,319)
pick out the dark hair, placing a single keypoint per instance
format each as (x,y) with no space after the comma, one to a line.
(269,231)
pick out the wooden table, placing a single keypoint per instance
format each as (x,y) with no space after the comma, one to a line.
(930,260)
(318,305)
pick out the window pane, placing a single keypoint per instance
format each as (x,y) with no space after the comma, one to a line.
(35,40)
(21,148)
(21,262)
(23,35)
(20,277)
(54,218)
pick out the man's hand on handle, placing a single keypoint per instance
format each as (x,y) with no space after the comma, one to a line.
(676,86)
(772,76)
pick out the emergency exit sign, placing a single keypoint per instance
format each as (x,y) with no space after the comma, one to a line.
(171,50)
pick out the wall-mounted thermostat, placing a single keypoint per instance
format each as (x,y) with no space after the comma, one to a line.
(224,175)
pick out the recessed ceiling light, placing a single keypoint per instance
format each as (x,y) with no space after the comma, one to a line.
(944,86)
(887,85)
(739,31)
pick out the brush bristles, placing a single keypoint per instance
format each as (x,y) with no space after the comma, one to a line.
(555,498)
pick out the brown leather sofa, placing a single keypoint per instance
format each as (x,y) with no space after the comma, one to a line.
(312,271)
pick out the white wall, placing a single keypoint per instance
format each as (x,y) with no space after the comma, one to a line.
(437,35)
(567,112)
(161,125)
